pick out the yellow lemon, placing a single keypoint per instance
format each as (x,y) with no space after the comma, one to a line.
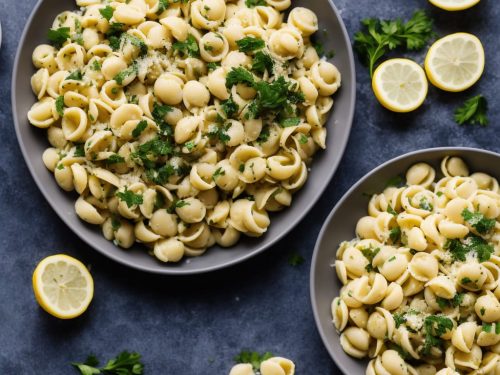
(455,62)
(63,286)
(400,85)
(454,5)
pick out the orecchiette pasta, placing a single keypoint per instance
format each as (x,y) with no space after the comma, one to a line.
(420,291)
(182,124)
(269,366)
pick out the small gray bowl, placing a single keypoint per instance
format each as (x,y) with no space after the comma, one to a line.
(33,142)
(340,226)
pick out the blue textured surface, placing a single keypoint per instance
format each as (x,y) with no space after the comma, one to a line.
(195,325)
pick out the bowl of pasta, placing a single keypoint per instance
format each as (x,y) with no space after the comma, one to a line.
(405,277)
(158,130)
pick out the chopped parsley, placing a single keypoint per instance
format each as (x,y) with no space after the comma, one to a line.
(115,224)
(60,105)
(79,151)
(478,221)
(96,65)
(465,280)
(262,62)
(391,211)
(124,364)
(482,311)
(448,303)
(161,175)
(474,111)
(58,36)
(141,126)
(254,358)
(212,66)
(159,112)
(177,204)
(435,326)
(218,172)
(219,133)
(115,159)
(303,139)
(295,259)
(250,44)
(131,70)
(76,75)
(162,6)
(369,254)
(399,319)
(107,12)
(425,205)
(148,152)
(459,249)
(189,47)
(395,234)
(230,107)
(239,75)
(264,134)
(288,122)
(129,197)
(487,327)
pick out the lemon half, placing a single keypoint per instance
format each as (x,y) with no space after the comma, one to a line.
(63,286)
(454,5)
(455,62)
(400,85)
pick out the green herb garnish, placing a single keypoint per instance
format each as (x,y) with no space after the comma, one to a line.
(478,221)
(129,197)
(115,159)
(262,62)
(141,126)
(250,44)
(76,75)
(58,36)
(381,36)
(131,70)
(189,47)
(230,107)
(107,12)
(459,249)
(218,172)
(60,105)
(124,364)
(295,259)
(473,111)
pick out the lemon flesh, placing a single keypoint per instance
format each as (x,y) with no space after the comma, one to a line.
(63,286)
(456,62)
(454,5)
(400,85)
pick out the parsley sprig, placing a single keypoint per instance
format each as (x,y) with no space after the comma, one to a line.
(378,37)
(124,364)
(473,111)
(434,327)
(478,221)
(459,249)
(129,197)
(58,36)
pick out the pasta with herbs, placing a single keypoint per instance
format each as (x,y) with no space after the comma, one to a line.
(421,281)
(182,124)
(269,366)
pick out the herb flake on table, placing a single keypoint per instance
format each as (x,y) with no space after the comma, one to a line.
(124,364)
(295,259)
(473,111)
(378,37)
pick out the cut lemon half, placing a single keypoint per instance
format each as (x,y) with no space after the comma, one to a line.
(63,286)
(454,5)
(455,62)
(400,85)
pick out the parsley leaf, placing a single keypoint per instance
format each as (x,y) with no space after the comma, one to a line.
(129,197)
(218,133)
(381,36)
(60,105)
(395,234)
(295,259)
(254,358)
(435,326)
(115,159)
(399,319)
(212,66)
(58,36)
(76,75)
(159,112)
(189,47)
(162,6)
(107,12)
(459,249)
(230,107)
(303,139)
(239,75)
(218,172)
(177,204)
(478,221)
(264,134)
(249,44)
(369,254)
(124,364)
(425,205)
(262,62)
(131,70)
(288,122)
(141,126)
(79,151)
(473,111)
(161,175)
(454,302)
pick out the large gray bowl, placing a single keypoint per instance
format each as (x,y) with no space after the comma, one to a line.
(33,142)
(340,226)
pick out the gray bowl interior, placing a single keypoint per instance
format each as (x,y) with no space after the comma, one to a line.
(33,142)
(340,226)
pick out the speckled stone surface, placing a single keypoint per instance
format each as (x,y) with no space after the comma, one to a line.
(196,325)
